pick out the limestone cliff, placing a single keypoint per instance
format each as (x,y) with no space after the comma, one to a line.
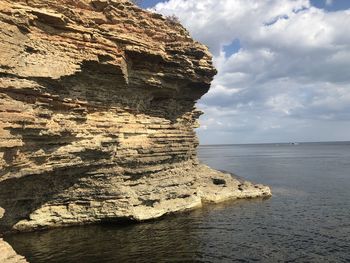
(97,115)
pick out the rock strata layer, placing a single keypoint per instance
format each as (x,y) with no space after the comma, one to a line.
(97,116)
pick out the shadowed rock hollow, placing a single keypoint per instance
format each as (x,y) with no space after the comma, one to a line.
(97,116)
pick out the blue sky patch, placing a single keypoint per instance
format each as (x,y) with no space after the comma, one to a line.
(150,3)
(273,21)
(232,48)
(334,5)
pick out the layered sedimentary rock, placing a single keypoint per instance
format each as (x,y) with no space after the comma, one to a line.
(97,116)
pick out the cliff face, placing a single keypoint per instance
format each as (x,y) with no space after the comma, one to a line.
(97,115)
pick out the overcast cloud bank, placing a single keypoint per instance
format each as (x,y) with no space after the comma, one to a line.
(283,69)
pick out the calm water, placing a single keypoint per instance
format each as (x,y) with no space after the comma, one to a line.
(307,219)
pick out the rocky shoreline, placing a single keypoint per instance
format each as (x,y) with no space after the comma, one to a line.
(176,190)
(8,255)
(97,116)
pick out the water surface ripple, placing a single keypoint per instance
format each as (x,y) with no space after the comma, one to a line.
(306,220)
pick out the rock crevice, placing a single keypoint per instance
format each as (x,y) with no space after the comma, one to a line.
(97,116)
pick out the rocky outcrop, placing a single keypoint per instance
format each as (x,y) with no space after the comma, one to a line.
(8,255)
(97,116)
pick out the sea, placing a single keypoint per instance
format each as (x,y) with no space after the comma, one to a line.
(306,220)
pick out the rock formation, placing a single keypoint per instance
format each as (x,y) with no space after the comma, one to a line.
(8,255)
(97,116)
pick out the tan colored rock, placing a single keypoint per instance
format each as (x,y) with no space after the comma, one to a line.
(8,255)
(2,212)
(97,116)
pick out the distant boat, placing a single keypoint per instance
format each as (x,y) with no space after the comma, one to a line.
(294,143)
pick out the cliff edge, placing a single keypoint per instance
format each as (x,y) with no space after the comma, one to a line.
(97,116)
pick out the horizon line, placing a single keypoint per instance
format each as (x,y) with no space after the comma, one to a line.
(291,142)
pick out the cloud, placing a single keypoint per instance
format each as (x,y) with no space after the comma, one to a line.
(288,66)
(329,2)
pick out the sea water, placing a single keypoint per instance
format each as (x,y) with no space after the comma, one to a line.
(306,220)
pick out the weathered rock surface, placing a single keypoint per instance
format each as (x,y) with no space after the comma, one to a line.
(8,255)
(97,116)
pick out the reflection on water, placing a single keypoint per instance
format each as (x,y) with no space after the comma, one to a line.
(110,243)
(307,219)
(280,191)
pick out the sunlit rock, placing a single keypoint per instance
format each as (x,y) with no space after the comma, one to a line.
(97,116)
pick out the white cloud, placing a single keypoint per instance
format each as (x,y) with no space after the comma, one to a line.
(292,67)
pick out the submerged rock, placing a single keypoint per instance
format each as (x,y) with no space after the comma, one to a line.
(97,116)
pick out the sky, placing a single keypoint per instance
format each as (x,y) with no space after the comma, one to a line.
(283,68)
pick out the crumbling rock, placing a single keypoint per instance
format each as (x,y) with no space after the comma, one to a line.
(97,116)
